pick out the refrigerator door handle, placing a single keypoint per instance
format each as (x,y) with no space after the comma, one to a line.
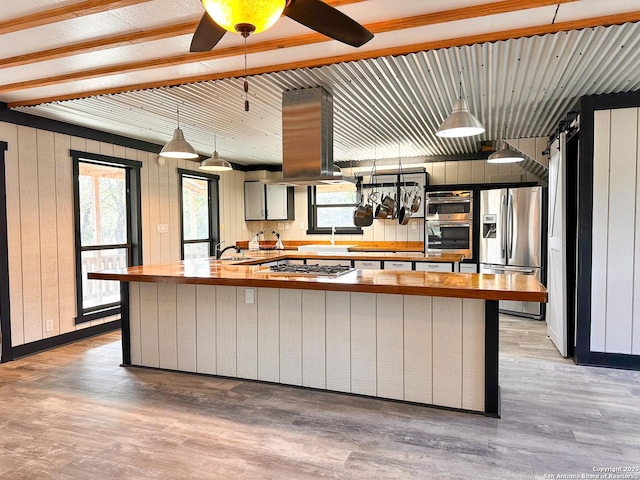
(510,226)
(503,199)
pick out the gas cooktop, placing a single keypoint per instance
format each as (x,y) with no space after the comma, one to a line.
(311,270)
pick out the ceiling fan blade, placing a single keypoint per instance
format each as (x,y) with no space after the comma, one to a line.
(207,35)
(329,21)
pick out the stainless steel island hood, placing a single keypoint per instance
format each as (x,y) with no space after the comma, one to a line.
(307,139)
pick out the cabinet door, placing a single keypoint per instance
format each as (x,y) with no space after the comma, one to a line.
(434,267)
(277,202)
(390,265)
(254,201)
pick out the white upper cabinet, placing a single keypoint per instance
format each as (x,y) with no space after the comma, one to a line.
(254,201)
(268,202)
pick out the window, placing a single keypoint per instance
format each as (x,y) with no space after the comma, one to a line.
(199,205)
(332,206)
(106,200)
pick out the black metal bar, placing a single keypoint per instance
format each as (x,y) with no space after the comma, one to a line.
(93,248)
(491,359)
(5,298)
(125,323)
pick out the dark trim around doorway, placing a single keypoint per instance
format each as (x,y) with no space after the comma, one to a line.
(587,107)
(5,305)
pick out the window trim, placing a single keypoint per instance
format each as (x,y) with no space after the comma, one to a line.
(313,219)
(134,227)
(214,209)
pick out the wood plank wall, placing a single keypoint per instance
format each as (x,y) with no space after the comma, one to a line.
(41,230)
(615,287)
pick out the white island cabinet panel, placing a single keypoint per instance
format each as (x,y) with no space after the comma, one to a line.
(206,329)
(186,327)
(269,334)
(291,337)
(390,344)
(472,354)
(338,341)
(417,349)
(414,348)
(447,352)
(226,331)
(247,344)
(363,344)
(167,340)
(149,324)
(134,324)
(313,339)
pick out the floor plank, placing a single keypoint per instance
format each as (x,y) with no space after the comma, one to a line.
(74,413)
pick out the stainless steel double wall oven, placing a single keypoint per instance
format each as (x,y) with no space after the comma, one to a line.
(449,222)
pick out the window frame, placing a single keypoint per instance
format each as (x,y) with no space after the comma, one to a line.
(213,205)
(134,227)
(312,215)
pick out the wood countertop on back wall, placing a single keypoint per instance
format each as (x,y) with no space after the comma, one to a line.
(360,246)
(216,272)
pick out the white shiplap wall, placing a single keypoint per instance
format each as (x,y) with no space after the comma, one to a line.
(41,231)
(615,287)
(40,219)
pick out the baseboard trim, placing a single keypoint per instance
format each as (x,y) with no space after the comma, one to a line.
(59,340)
(612,360)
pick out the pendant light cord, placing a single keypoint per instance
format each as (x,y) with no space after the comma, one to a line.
(246,82)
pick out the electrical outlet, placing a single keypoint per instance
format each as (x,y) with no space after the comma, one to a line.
(280,226)
(301,225)
(249,295)
(286,226)
(49,326)
(414,225)
(162,228)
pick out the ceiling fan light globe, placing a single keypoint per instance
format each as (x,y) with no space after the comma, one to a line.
(260,14)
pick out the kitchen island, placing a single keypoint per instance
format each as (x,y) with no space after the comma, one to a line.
(424,337)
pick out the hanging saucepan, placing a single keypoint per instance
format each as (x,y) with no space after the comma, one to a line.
(417,199)
(381,212)
(394,211)
(404,214)
(363,214)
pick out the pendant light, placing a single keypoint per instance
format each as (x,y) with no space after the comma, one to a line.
(505,155)
(215,163)
(178,147)
(461,123)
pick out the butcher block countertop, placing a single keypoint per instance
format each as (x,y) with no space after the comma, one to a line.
(260,256)
(216,272)
(355,246)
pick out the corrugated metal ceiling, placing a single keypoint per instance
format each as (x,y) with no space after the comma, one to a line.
(384,105)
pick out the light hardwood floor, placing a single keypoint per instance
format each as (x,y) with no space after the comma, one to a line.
(73,413)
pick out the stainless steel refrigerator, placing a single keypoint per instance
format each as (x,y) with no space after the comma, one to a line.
(511,237)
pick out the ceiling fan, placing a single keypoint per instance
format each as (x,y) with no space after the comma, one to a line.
(254,16)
